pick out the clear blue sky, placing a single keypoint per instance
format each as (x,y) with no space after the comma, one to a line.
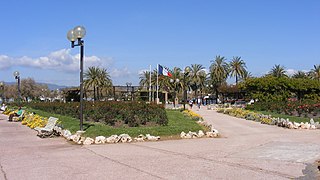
(127,36)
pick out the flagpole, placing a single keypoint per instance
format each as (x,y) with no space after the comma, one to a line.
(150,84)
(157,100)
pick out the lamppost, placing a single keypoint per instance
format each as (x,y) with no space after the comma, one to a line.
(2,90)
(128,84)
(209,88)
(185,84)
(175,86)
(16,75)
(74,34)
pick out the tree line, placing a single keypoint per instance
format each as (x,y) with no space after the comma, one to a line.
(195,79)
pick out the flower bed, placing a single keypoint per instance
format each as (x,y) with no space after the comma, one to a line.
(309,108)
(192,115)
(268,119)
(29,119)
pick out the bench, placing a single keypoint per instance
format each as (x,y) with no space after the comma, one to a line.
(47,131)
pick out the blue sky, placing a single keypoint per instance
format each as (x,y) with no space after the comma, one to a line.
(127,36)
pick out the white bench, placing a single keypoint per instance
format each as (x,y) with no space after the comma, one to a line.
(47,131)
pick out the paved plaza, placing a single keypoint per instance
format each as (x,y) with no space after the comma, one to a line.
(246,150)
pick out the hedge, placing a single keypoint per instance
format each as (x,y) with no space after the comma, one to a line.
(112,113)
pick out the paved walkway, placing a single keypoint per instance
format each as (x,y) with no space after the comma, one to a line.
(247,150)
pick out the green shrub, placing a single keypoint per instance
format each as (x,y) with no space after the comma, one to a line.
(132,114)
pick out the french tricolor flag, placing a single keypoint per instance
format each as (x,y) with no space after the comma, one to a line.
(163,71)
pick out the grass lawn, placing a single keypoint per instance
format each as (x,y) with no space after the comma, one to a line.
(291,118)
(177,123)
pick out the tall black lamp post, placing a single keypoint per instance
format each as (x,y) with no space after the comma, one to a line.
(185,85)
(16,75)
(74,34)
(2,90)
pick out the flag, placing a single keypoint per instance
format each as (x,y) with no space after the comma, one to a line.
(163,71)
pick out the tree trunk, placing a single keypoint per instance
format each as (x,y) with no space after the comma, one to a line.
(98,94)
(94,93)
(237,95)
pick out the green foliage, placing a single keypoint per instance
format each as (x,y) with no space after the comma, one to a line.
(308,108)
(132,114)
(269,88)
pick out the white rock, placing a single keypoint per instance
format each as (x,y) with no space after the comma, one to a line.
(296,125)
(124,138)
(112,139)
(141,136)
(193,134)
(182,134)
(317,124)
(66,133)
(74,138)
(88,141)
(188,136)
(137,139)
(313,127)
(290,125)
(152,138)
(215,131)
(200,133)
(209,134)
(307,125)
(100,140)
(58,129)
(81,140)
(311,121)
(302,126)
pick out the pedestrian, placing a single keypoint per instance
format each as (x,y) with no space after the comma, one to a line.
(15,114)
(190,103)
(199,102)
(3,107)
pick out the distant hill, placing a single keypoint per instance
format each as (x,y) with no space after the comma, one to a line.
(50,86)
(54,86)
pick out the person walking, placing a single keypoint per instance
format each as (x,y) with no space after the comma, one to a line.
(199,102)
(190,103)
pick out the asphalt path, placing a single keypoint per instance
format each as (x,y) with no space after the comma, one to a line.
(246,150)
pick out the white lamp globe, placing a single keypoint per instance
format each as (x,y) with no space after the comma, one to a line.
(71,36)
(79,31)
(16,74)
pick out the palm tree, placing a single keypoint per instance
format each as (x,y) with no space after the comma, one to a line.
(105,82)
(300,74)
(219,71)
(315,73)
(278,71)
(237,68)
(145,79)
(91,77)
(197,77)
(95,78)
(246,75)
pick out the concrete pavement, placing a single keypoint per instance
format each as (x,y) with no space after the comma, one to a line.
(247,150)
